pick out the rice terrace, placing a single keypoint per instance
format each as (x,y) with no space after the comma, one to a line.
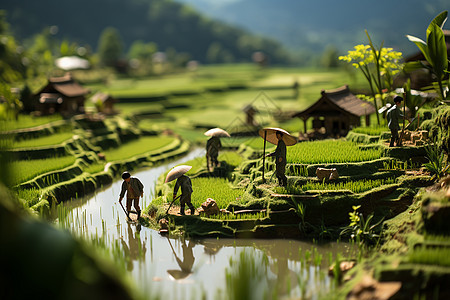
(184,157)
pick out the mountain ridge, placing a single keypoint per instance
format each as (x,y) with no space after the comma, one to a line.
(313,25)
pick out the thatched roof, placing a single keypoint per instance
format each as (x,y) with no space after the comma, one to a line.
(64,85)
(103,97)
(338,100)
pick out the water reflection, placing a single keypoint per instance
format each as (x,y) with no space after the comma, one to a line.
(187,269)
(135,250)
(286,279)
(188,260)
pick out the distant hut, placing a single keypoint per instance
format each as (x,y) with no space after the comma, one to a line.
(250,112)
(63,95)
(104,103)
(337,111)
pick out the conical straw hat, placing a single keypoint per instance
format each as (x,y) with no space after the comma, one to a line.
(218,132)
(177,172)
(271,136)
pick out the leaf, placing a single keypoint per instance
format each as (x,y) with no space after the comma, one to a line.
(439,20)
(421,45)
(411,66)
(437,50)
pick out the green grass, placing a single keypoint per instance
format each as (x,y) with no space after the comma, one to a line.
(226,217)
(27,121)
(25,170)
(54,139)
(232,158)
(137,147)
(258,144)
(329,151)
(129,108)
(374,131)
(218,189)
(95,168)
(30,197)
(354,186)
(224,109)
(430,256)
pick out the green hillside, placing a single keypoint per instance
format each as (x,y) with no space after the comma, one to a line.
(169,24)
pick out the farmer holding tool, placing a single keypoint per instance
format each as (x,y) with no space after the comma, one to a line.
(186,190)
(134,189)
(393,115)
(280,159)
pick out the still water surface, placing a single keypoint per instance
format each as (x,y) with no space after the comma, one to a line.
(190,269)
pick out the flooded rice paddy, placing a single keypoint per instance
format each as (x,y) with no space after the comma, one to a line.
(177,268)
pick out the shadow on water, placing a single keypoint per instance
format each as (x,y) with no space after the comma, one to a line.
(192,269)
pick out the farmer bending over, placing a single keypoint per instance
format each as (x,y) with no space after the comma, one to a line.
(280,159)
(186,190)
(134,189)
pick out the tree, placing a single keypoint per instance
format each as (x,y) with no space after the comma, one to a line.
(110,47)
(142,51)
(377,65)
(12,106)
(11,54)
(329,57)
(40,53)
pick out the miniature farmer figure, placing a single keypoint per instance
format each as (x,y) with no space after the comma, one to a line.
(213,145)
(280,159)
(393,115)
(186,190)
(134,189)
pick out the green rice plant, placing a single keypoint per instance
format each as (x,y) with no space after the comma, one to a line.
(137,147)
(95,168)
(54,139)
(247,277)
(430,256)
(436,164)
(361,230)
(218,189)
(358,186)
(371,130)
(51,179)
(228,217)
(300,171)
(437,238)
(24,170)
(30,197)
(232,158)
(27,121)
(330,151)
(258,144)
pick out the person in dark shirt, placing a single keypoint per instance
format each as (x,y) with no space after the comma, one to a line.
(280,160)
(393,115)
(184,182)
(134,189)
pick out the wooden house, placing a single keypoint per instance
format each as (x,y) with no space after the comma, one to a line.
(104,103)
(61,95)
(337,111)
